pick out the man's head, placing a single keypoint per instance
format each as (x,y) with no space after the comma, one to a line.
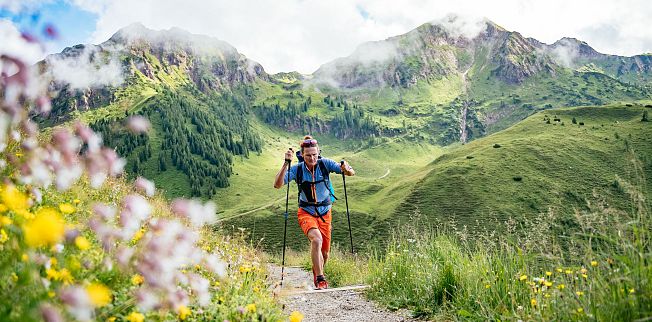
(310,151)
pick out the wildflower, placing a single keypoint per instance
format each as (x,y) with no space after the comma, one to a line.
(547,295)
(3,236)
(65,276)
(296,316)
(559,270)
(99,294)
(3,208)
(561,286)
(14,199)
(50,313)
(111,319)
(487,286)
(66,208)
(631,291)
(579,293)
(138,235)
(533,302)
(245,269)
(548,273)
(251,307)
(52,274)
(82,243)
(583,270)
(138,124)
(568,271)
(183,312)
(24,257)
(137,279)
(548,284)
(135,317)
(523,278)
(594,263)
(51,294)
(5,221)
(580,310)
(585,276)
(76,201)
(47,228)
(14,277)
(145,186)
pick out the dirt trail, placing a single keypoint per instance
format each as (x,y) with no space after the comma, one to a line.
(333,305)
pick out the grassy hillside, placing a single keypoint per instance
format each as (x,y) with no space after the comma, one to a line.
(545,162)
(537,166)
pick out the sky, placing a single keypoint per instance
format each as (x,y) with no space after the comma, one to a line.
(301,35)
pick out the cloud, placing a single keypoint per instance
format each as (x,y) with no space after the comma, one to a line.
(301,35)
(565,52)
(86,67)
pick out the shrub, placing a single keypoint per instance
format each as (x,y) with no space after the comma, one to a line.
(645,117)
(517,178)
(496,146)
(469,157)
(574,121)
(581,123)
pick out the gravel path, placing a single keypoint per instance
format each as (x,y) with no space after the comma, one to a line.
(348,305)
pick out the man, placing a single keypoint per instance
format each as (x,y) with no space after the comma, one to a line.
(314,212)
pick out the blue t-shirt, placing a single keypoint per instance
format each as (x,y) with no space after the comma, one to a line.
(321,190)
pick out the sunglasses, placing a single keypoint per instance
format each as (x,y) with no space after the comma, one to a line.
(308,143)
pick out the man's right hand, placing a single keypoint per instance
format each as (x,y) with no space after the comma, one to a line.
(288,155)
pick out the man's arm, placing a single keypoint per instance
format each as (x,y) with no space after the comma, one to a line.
(278,181)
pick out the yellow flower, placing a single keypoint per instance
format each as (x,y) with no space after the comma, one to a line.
(561,286)
(25,214)
(138,235)
(5,221)
(523,277)
(559,270)
(14,277)
(76,202)
(51,294)
(3,208)
(52,274)
(53,261)
(135,317)
(579,293)
(245,269)
(583,270)
(568,271)
(183,312)
(3,236)
(580,310)
(256,289)
(585,276)
(548,284)
(296,316)
(137,279)
(533,302)
(548,273)
(594,263)
(46,229)
(111,319)
(66,208)
(631,291)
(251,307)
(547,295)
(487,286)
(24,258)
(99,294)
(65,276)
(82,243)
(14,199)
(19,154)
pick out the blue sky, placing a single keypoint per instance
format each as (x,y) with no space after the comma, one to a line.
(73,24)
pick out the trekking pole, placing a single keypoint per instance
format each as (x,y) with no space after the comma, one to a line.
(348,216)
(285,228)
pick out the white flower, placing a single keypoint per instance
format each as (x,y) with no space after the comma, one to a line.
(145,186)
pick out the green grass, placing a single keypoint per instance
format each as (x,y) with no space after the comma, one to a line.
(559,166)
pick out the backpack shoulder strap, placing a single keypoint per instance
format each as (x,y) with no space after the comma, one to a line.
(324,172)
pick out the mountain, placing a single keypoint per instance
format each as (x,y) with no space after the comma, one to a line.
(146,56)
(211,108)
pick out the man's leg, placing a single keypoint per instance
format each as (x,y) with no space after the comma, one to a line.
(316,251)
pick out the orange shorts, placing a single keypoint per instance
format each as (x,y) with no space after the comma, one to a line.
(307,222)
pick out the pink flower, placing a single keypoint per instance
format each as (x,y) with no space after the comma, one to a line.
(138,124)
(145,186)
